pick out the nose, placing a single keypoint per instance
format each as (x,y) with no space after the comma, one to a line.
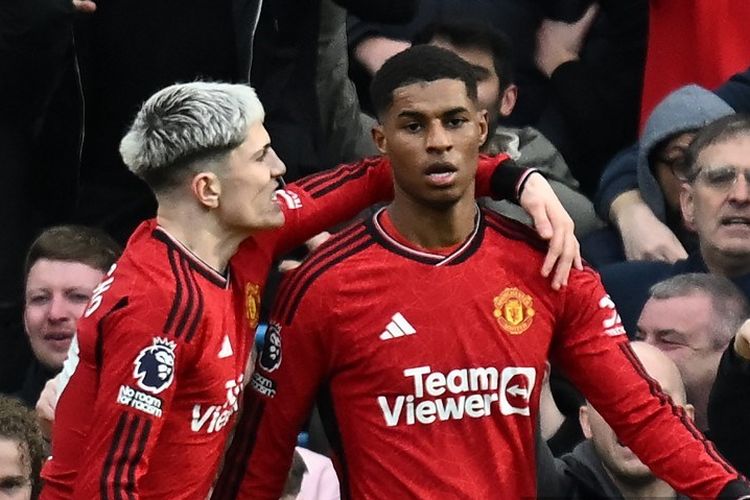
(438,139)
(740,192)
(277,165)
(59,309)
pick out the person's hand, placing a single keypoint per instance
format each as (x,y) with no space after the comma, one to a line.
(45,407)
(644,237)
(558,42)
(372,52)
(554,224)
(311,244)
(742,341)
(85,6)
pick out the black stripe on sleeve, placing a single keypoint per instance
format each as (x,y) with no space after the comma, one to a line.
(191,291)
(196,320)
(323,190)
(107,470)
(135,459)
(127,449)
(177,293)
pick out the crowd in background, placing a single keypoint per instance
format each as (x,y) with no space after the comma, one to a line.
(604,98)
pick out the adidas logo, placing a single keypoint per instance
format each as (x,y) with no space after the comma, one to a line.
(226,348)
(397,327)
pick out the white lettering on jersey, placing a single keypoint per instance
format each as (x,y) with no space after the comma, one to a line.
(460,393)
(290,199)
(96,295)
(215,417)
(613,324)
(69,367)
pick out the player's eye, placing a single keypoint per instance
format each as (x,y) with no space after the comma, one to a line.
(413,127)
(456,122)
(38,299)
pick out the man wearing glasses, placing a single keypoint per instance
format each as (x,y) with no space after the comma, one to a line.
(715,203)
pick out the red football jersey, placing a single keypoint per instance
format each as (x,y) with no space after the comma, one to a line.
(153,377)
(427,371)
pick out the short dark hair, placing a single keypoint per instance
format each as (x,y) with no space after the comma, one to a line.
(422,63)
(475,35)
(18,423)
(730,306)
(721,130)
(87,245)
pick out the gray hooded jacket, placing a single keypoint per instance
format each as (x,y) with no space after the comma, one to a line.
(687,108)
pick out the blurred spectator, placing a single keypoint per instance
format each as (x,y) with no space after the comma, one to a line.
(715,202)
(601,466)
(692,318)
(699,41)
(22,452)
(35,47)
(293,483)
(63,266)
(347,128)
(594,82)
(648,221)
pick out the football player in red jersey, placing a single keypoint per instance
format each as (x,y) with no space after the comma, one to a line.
(423,333)
(153,379)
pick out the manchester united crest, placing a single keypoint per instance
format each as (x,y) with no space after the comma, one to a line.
(252,304)
(514,311)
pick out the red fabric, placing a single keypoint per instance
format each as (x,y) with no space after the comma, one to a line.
(693,41)
(427,374)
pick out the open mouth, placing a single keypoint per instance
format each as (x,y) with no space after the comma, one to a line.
(442,173)
(735,221)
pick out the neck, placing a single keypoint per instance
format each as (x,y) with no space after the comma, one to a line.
(432,227)
(201,234)
(729,266)
(655,488)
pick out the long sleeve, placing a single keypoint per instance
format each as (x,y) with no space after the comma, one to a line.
(593,351)
(620,175)
(319,201)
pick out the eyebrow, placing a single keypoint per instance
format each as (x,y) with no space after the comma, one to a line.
(416,114)
(480,71)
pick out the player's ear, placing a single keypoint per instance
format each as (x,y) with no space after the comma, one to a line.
(378,136)
(206,188)
(508,100)
(483,125)
(583,418)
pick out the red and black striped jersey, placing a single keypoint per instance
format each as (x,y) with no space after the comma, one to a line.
(427,370)
(153,378)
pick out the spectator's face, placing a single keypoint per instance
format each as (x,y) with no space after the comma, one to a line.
(622,463)
(720,211)
(432,133)
(682,328)
(247,202)
(669,165)
(56,295)
(488,82)
(15,474)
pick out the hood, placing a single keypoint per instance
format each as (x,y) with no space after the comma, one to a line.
(687,108)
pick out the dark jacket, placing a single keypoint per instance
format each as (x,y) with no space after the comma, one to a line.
(579,475)
(729,410)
